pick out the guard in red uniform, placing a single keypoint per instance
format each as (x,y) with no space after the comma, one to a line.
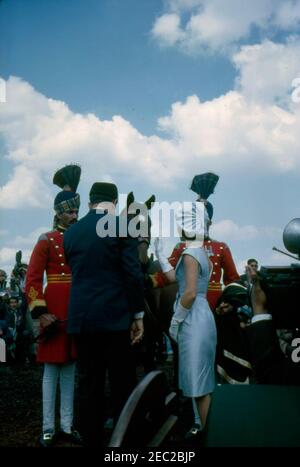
(56,349)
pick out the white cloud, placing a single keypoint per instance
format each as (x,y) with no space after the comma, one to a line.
(246,128)
(278,259)
(182,5)
(168,28)
(228,230)
(29,240)
(266,70)
(230,133)
(25,243)
(288,14)
(217,25)
(42,134)
(25,187)
(8,256)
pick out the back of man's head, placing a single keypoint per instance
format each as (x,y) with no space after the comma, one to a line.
(103,191)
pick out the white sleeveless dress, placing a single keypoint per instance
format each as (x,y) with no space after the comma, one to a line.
(197,337)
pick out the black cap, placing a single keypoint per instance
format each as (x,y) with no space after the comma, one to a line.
(103,191)
(235,294)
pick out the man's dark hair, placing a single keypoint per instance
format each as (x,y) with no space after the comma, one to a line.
(252,260)
(102,200)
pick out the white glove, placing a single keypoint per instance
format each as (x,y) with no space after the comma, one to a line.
(178,318)
(161,256)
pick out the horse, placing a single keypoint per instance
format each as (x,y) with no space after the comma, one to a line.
(158,302)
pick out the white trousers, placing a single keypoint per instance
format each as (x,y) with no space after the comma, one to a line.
(65,373)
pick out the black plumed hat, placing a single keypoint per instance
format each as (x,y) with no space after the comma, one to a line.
(204,184)
(68,177)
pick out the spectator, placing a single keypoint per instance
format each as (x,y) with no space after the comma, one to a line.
(16,320)
(244,278)
(232,359)
(3,278)
(5,332)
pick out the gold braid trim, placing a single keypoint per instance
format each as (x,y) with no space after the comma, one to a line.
(33,293)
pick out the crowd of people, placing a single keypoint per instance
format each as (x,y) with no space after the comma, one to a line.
(16,329)
(91,313)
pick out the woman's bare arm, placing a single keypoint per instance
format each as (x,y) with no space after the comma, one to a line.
(191,272)
(170,276)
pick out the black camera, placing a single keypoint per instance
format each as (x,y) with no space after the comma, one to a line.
(282,287)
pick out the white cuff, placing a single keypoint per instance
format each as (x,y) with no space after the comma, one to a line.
(139,315)
(164,263)
(261,317)
(166,267)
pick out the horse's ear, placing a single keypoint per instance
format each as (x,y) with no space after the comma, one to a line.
(150,201)
(130,199)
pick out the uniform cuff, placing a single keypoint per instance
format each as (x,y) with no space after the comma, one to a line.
(139,315)
(261,317)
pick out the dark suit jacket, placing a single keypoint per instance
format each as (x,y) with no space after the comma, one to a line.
(270,364)
(107,281)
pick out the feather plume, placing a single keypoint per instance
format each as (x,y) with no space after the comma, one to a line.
(68,177)
(204,184)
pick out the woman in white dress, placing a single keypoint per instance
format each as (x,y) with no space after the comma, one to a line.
(193,324)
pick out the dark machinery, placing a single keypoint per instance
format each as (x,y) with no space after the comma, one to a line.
(282,283)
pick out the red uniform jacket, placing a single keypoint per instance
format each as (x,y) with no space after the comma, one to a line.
(48,256)
(221,258)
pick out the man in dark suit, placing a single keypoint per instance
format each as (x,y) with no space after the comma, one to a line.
(105,311)
(270,364)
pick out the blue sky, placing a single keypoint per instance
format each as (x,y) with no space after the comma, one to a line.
(98,56)
(147,93)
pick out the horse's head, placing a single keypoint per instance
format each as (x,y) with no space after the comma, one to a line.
(139,223)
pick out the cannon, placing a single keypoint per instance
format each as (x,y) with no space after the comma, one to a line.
(148,416)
